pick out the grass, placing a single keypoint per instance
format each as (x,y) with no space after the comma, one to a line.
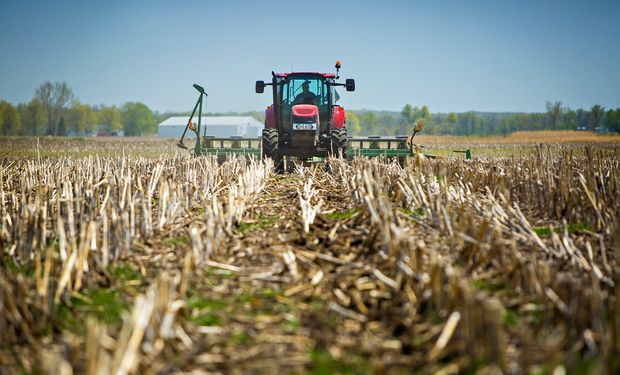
(206,311)
(124,273)
(341,215)
(212,311)
(323,363)
(510,318)
(488,286)
(105,305)
(206,319)
(416,212)
(15,267)
(262,223)
(571,228)
(240,338)
(291,325)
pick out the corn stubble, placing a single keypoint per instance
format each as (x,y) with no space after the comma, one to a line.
(366,266)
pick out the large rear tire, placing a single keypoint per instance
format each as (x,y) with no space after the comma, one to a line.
(270,148)
(340,143)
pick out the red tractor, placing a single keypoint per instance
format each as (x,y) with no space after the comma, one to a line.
(304,120)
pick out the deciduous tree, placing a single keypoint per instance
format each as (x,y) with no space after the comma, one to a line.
(598,112)
(353,123)
(137,119)
(554,112)
(81,117)
(110,118)
(613,120)
(54,97)
(33,117)
(10,121)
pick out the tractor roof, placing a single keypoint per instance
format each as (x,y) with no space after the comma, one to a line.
(324,75)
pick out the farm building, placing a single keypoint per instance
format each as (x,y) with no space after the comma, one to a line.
(218,126)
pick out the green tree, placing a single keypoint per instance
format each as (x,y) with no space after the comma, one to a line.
(353,123)
(583,117)
(446,123)
(110,118)
(33,117)
(570,119)
(468,121)
(613,120)
(10,121)
(369,123)
(451,119)
(137,119)
(61,128)
(81,118)
(424,114)
(54,97)
(597,113)
(554,112)
(407,114)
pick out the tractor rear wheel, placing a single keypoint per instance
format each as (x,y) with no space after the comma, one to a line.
(339,143)
(270,148)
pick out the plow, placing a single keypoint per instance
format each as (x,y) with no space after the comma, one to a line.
(304,123)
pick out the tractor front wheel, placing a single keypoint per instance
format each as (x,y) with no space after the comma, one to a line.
(339,143)
(270,148)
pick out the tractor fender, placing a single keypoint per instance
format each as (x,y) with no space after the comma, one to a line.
(270,118)
(338,117)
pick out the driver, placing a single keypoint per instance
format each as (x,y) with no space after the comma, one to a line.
(306,96)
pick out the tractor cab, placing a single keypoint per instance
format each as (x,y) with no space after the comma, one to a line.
(304,120)
(297,93)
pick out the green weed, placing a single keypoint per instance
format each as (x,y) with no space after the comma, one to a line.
(324,363)
(341,215)
(570,228)
(416,213)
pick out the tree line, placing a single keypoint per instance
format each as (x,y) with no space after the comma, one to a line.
(556,117)
(54,110)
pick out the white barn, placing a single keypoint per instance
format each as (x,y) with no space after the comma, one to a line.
(218,126)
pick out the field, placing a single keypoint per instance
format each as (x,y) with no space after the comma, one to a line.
(129,256)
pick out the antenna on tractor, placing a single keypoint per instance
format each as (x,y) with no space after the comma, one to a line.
(338,65)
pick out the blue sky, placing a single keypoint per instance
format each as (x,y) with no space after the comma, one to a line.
(449,55)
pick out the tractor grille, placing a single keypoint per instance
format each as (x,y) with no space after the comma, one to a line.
(304,119)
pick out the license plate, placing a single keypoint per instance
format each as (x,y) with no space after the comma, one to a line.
(311,126)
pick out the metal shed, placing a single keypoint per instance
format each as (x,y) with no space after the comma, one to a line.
(218,126)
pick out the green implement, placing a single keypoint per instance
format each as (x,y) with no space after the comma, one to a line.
(373,146)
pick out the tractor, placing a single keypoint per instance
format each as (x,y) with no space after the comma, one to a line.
(304,120)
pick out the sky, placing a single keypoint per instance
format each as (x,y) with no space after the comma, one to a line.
(454,56)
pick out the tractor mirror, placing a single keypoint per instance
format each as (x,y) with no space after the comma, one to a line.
(260,87)
(350,84)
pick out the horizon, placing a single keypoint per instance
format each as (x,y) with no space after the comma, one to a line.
(478,57)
